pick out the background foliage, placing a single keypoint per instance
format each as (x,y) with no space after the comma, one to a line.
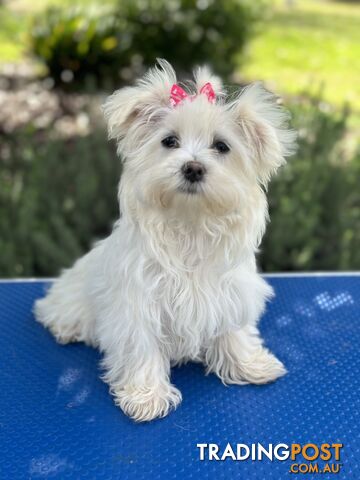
(59,175)
(60,196)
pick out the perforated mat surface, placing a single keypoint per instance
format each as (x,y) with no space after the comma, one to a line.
(57,419)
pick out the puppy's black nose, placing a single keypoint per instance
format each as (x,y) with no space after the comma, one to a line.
(193,171)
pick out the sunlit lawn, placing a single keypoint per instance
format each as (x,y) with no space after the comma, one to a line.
(314,44)
(12,35)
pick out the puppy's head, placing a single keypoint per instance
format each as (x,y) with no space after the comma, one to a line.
(190,148)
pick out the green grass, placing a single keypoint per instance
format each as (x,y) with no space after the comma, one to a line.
(15,20)
(313,45)
(12,35)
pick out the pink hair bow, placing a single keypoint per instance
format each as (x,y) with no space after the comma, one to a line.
(177,94)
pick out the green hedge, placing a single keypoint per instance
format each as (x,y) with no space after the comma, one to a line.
(57,197)
(107,45)
(315,201)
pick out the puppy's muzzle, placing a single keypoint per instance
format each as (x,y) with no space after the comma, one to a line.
(193,171)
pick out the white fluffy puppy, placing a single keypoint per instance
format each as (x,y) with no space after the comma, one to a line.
(176,280)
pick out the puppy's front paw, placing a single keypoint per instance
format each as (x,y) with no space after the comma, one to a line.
(261,367)
(143,404)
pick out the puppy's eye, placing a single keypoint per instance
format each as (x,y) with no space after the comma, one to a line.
(170,142)
(221,147)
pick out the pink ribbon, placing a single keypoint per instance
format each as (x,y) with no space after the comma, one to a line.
(177,94)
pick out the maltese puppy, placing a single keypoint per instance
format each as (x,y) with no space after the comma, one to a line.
(177,280)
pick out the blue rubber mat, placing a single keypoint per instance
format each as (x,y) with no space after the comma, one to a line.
(57,419)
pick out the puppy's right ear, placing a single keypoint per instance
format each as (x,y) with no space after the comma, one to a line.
(146,102)
(264,127)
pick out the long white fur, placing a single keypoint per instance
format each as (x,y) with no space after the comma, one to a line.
(176,280)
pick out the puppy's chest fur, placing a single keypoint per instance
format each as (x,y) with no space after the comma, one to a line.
(194,290)
(191,312)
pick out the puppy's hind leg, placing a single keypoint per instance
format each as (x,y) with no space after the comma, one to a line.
(65,310)
(239,357)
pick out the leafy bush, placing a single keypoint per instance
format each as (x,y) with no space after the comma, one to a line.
(77,47)
(107,46)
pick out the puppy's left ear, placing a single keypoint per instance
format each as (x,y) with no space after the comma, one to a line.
(141,104)
(264,127)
